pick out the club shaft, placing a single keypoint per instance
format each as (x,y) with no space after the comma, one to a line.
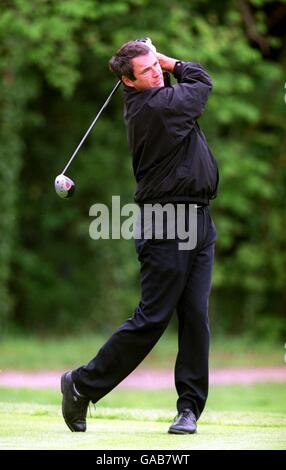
(91,126)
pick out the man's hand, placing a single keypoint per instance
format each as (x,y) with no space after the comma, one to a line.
(148,43)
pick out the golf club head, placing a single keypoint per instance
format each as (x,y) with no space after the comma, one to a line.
(64,186)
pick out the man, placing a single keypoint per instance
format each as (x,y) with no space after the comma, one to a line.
(172,164)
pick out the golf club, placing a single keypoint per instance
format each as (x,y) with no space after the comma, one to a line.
(64,185)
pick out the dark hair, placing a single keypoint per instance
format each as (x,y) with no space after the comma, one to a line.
(121,63)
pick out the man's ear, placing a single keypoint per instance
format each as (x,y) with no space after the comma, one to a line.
(127,81)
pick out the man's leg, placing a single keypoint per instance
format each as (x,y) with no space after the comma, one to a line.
(191,369)
(163,275)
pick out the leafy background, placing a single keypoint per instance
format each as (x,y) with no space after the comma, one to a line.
(54,78)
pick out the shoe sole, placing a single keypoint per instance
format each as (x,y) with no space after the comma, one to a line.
(175,431)
(62,390)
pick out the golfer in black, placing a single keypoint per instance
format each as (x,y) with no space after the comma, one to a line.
(172,164)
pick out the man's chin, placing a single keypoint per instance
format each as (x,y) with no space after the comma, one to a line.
(158,84)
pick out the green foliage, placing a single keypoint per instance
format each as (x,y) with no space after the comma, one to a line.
(15,92)
(53,65)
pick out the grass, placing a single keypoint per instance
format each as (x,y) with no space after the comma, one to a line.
(23,352)
(246,398)
(37,428)
(237,417)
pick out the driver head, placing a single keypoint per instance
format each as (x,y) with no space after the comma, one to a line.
(64,186)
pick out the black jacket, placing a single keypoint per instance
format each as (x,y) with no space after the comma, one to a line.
(171,158)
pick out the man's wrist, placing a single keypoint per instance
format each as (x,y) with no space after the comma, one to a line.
(177,68)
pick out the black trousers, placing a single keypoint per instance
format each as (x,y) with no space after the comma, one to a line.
(170,279)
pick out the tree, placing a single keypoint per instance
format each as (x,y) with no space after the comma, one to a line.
(53,63)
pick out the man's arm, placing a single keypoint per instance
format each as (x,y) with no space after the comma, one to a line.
(190,74)
(189,96)
(167,63)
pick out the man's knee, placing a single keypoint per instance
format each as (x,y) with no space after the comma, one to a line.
(150,317)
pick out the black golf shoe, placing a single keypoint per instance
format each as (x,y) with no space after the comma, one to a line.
(184,423)
(74,405)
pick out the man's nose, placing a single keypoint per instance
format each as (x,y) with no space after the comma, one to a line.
(155,70)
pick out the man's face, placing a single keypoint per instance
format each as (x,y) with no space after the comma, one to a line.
(147,71)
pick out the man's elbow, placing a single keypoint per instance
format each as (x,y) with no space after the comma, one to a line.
(208,83)
(202,102)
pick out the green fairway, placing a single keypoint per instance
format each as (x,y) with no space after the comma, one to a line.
(24,352)
(237,417)
(41,427)
(264,397)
